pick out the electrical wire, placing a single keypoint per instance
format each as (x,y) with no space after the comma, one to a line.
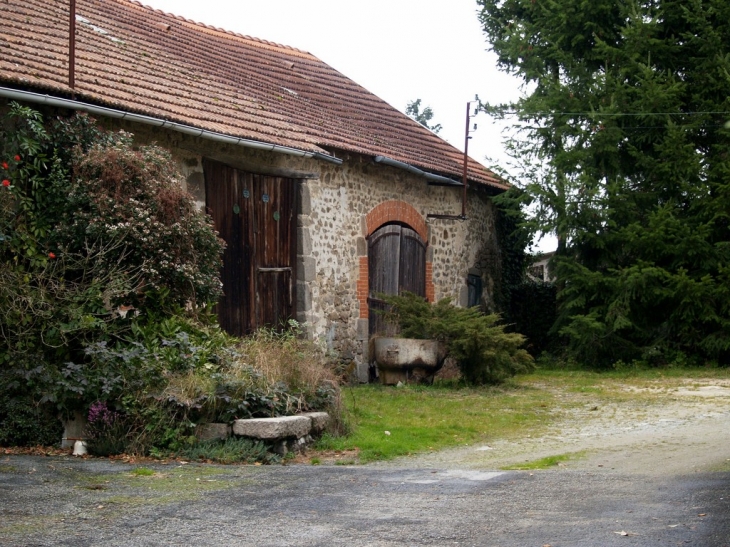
(616,114)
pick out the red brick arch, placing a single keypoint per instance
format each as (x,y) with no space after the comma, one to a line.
(392,211)
(396,211)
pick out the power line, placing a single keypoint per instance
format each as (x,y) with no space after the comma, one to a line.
(548,113)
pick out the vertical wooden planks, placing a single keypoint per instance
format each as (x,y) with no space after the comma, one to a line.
(412,263)
(396,263)
(256,216)
(275,250)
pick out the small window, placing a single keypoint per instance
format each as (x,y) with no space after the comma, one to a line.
(474,283)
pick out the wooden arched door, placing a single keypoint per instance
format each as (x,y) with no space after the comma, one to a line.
(396,263)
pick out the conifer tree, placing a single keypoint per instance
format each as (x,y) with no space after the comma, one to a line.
(622,147)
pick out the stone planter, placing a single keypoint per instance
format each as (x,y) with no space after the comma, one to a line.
(408,359)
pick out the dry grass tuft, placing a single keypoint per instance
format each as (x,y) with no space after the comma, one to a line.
(284,358)
(186,388)
(301,366)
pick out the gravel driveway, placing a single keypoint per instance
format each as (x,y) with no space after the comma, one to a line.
(649,476)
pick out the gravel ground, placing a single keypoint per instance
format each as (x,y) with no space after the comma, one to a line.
(655,475)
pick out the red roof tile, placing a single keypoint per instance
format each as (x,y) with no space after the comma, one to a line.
(142,60)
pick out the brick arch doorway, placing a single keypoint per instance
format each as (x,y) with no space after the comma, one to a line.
(396,263)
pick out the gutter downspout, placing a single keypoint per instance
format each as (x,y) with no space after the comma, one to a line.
(416,171)
(29,96)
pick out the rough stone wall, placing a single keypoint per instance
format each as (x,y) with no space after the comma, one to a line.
(331,235)
(340,201)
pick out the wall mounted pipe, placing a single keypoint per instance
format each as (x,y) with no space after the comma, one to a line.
(416,171)
(29,96)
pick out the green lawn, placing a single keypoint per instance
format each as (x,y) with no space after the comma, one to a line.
(387,421)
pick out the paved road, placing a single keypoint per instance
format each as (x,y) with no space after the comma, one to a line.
(56,501)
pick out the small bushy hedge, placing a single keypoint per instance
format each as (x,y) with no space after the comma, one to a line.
(484,352)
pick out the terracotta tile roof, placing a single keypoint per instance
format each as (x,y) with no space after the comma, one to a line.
(142,60)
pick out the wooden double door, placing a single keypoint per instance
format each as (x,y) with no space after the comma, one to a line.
(396,263)
(256,216)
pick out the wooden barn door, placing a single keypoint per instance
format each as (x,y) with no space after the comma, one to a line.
(256,217)
(396,263)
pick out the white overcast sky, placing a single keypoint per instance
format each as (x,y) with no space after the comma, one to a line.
(400,50)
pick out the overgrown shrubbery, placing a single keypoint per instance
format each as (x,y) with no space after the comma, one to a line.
(533,309)
(185,374)
(25,423)
(527,306)
(108,275)
(485,353)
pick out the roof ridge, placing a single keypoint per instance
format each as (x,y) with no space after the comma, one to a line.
(227,33)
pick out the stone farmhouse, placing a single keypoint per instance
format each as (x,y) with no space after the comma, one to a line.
(325,194)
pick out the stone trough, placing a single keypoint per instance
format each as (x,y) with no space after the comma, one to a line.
(284,434)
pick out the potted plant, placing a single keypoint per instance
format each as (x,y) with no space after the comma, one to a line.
(484,352)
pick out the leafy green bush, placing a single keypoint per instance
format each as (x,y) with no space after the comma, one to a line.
(25,423)
(90,230)
(179,373)
(109,272)
(485,353)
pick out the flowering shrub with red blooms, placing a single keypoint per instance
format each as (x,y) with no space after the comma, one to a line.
(122,232)
(125,236)
(131,202)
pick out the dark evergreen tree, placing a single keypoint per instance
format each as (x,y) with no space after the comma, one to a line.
(623,148)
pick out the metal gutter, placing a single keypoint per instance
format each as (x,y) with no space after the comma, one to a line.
(32,97)
(416,171)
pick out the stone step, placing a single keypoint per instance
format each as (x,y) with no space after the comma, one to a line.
(273,429)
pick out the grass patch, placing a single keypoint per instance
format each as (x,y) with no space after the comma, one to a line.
(142,472)
(185,481)
(724,467)
(389,422)
(544,463)
(22,526)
